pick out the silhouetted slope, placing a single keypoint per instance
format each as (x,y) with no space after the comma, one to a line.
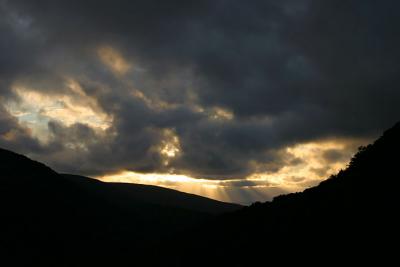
(57,220)
(350,217)
(63,220)
(125,193)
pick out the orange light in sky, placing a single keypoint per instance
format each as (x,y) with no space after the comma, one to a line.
(113,59)
(35,108)
(259,186)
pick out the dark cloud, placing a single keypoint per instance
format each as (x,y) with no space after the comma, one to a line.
(289,71)
(321,172)
(13,136)
(335,155)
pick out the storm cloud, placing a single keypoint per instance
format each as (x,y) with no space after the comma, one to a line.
(211,89)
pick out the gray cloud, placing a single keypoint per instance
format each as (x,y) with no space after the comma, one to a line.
(13,136)
(289,71)
(333,155)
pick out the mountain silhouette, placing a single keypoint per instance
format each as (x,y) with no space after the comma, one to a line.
(349,218)
(125,194)
(54,219)
(50,219)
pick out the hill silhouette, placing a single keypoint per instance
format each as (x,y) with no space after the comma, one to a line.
(68,220)
(65,220)
(125,194)
(349,218)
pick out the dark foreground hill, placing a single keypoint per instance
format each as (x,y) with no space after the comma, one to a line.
(349,218)
(126,194)
(67,220)
(62,220)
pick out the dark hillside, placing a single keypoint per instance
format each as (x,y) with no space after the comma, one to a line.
(350,216)
(67,220)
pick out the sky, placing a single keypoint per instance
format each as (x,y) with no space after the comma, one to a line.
(234,100)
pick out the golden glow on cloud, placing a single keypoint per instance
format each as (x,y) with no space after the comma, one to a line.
(218,113)
(170,146)
(113,59)
(154,104)
(9,136)
(34,109)
(214,113)
(309,171)
(312,153)
(170,149)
